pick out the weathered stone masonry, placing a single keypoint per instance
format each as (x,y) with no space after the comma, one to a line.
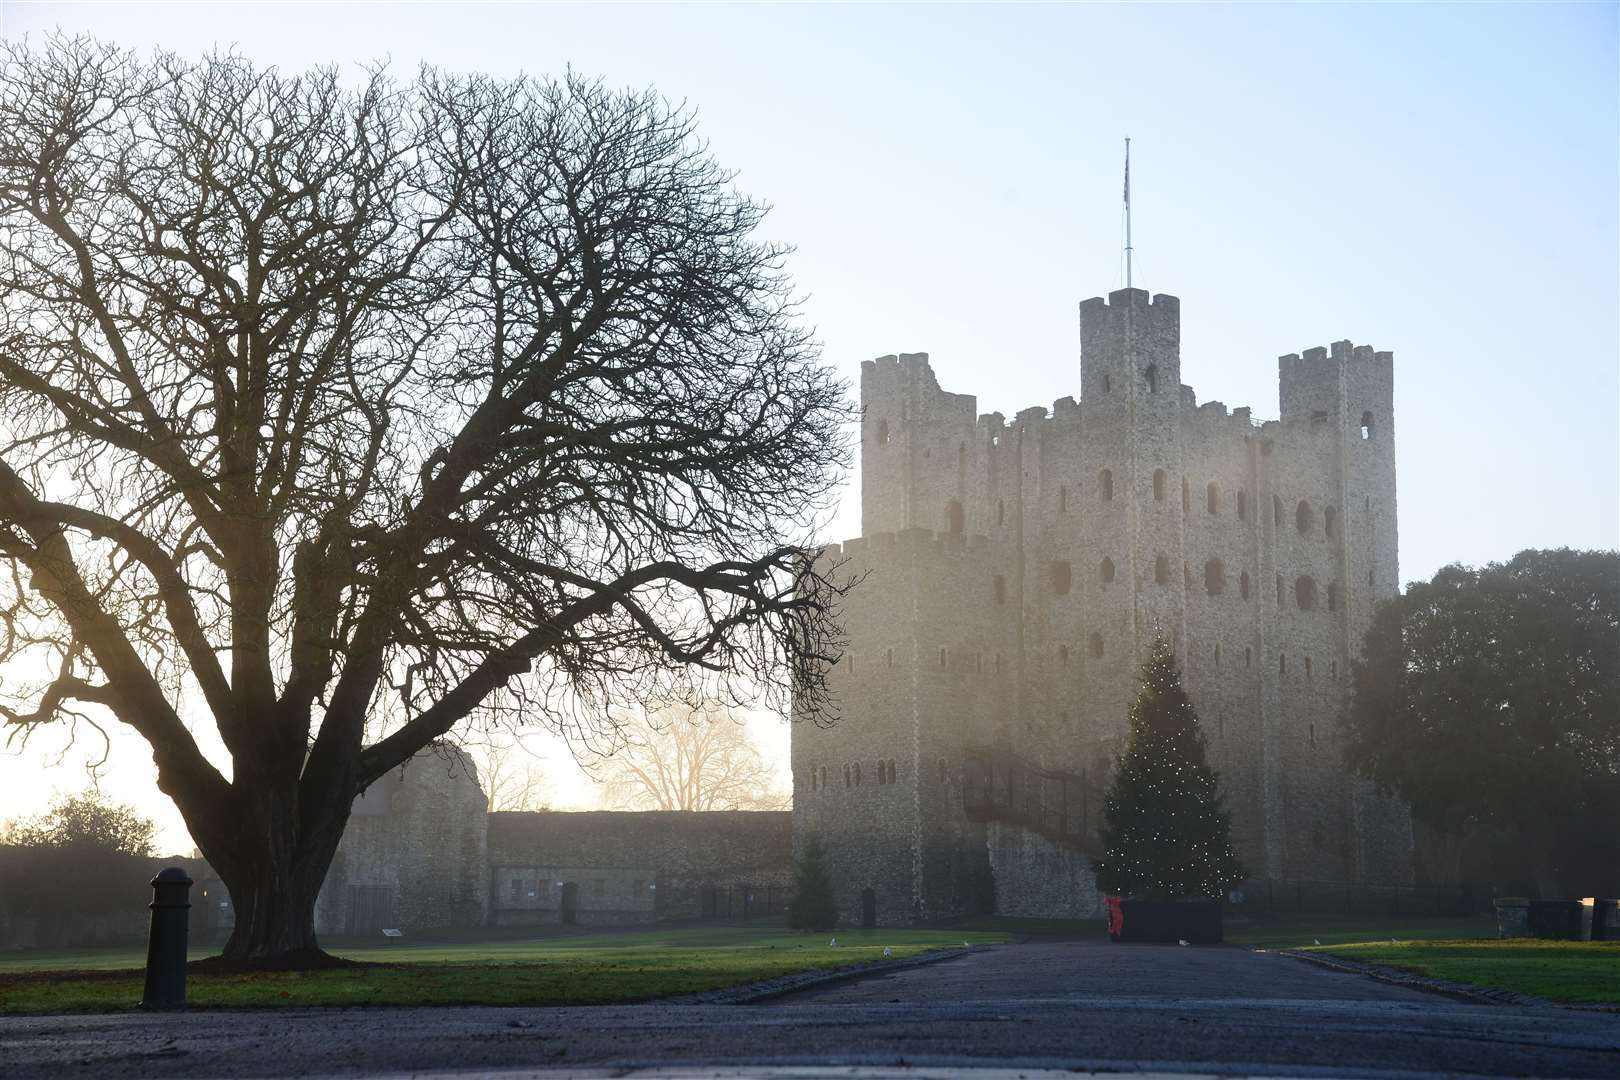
(1016,573)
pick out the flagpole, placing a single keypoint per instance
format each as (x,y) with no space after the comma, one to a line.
(1127,212)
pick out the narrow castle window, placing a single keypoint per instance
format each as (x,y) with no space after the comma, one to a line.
(1276,510)
(1313,734)
(1153,378)
(1105,484)
(1330,521)
(1333,597)
(1217,654)
(1307,667)
(888,657)
(1333,669)
(1158,485)
(1243,585)
(1369,575)
(942,660)
(1366,424)
(1243,505)
(1279,591)
(1282,663)
(883,433)
(891,770)
(1305,592)
(824,778)
(954,519)
(1214,577)
(1303,518)
(1248,657)
(1108,383)
(1096,646)
(998,663)
(1161,571)
(1186,576)
(1063,500)
(1212,499)
(1106,571)
(857,774)
(846,776)
(998,589)
(1062,578)
(1186,496)
(1001,512)
(813,784)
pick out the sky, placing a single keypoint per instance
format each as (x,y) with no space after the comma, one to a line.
(1442,181)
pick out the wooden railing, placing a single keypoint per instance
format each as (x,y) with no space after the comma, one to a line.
(1061,806)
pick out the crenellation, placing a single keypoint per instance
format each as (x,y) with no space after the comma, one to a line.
(1013,583)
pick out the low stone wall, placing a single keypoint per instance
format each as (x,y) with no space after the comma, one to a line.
(614,867)
(1037,879)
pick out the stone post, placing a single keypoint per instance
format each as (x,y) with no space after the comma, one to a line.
(166,942)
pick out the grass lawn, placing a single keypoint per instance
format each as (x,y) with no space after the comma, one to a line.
(585,969)
(1297,931)
(1578,971)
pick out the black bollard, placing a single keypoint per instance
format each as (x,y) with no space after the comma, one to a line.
(166,943)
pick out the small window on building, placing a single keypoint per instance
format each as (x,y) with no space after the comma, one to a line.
(1307,667)
(1186,496)
(888,657)
(1108,383)
(1333,597)
(998,589)
(1158,485)
(1243,505)
(883,433)
(1063,500)
(1279,590)
(517,888)
(942,660)
(857,774)
(1063,656)
(891,770)
(1276,510)
(1282,663)
(1106,571)
(1105,484)
(978,662)
(1062,578)
(1366,424)
(1186,575)
(813,784)
(955,520)
(999,662)
(1303,517)
(1248,657)
(846,776)
(1369,575)
(1333,669)
(1330,522)
(1096,646)
(1217,654)
(1212,498)
(1243,585)
(1153,378)
(1313,734)
(1305,592)
(1001,511)
(1161,571)
(1214,577)
(824,777)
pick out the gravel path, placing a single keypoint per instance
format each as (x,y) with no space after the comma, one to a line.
(1067,1005)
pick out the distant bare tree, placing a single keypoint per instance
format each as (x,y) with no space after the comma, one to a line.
(689,759)
(457,400)
(511,776)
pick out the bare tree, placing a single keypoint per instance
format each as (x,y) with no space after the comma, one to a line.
(355,412)
(692,758)
(511,776)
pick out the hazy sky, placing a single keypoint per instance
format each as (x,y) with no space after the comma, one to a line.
(1440,181)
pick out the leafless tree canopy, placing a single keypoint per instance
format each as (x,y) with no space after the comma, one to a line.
(689,758)
(358,410)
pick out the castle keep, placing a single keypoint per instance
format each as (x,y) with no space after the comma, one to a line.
(1016,573)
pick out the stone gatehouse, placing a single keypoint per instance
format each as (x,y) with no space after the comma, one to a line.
(1016,572)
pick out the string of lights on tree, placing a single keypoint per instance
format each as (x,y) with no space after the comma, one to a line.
(1165,833)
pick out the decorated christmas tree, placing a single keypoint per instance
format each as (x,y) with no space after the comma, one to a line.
(1164,832)
(812,905)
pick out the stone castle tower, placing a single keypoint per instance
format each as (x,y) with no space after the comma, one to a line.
(1016,573)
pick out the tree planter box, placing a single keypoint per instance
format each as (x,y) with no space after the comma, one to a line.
(1512,916)
(1195,921)
(1562,920)
(1605,919)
